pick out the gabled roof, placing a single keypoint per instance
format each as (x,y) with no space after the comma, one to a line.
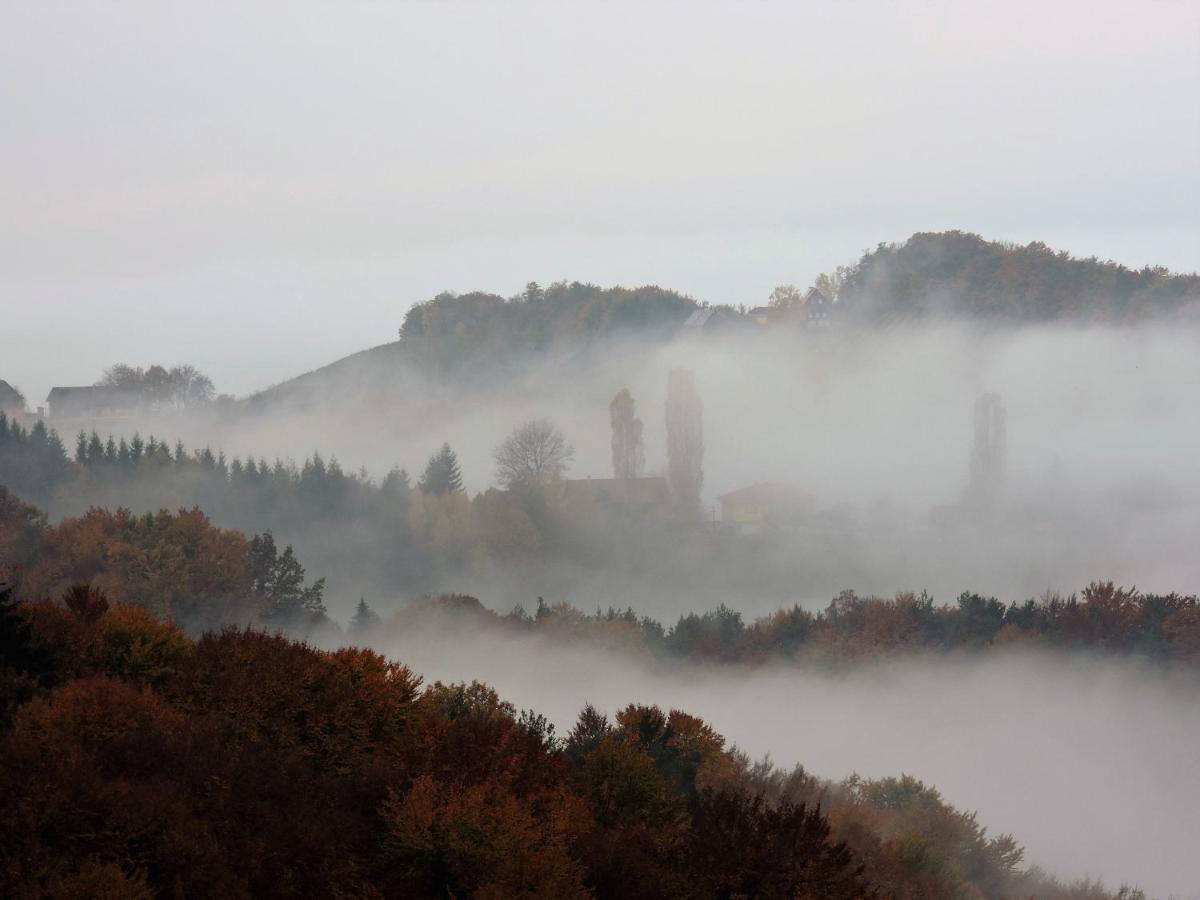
(10,396)
(62,393)
(816,295)
(765,492)
(619,490)
(94,396)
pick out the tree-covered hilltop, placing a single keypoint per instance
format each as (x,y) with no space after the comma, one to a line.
(960,275)
(477,337)
(455,329)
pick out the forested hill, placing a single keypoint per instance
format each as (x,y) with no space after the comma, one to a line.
(954,274)
(479,335)
(947,275)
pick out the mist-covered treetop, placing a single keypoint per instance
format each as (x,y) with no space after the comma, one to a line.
(962,275)
(463,325)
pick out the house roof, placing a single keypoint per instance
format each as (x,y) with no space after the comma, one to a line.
(93,396)
(816,295)
(765,492)
(621,490)
(10,396)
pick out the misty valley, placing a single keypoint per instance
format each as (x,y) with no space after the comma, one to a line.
(883,588)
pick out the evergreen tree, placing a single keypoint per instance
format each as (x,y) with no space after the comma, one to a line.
(396,484)
(442,474)
(95,450)
(365,620)
(279,579)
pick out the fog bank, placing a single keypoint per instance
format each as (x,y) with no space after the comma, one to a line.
(1089,762)
(1103,457)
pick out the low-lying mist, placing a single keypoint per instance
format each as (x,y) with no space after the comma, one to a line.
(1088,761)
(1103,451)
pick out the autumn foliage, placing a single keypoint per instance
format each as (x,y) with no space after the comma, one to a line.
(138,762)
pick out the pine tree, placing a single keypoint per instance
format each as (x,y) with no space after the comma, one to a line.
(95,450)
(365,620)
(442,474)
(278,578)
(396,485)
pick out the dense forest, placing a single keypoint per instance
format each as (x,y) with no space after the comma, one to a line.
(950,275)
(136,761)
(955,274)
(408,537)
(947,274)
(182,566)
(398,534)
(1102,617)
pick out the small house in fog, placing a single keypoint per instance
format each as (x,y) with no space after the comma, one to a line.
(629,493)
(712,319)
(764,316)
(765,506)
(12,404)
(817,307)
(90,402)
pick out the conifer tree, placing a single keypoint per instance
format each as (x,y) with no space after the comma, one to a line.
(365,619)
(442,474)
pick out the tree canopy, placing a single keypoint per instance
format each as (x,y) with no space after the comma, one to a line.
(533,455)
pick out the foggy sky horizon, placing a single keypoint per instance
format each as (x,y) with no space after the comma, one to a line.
(170,193)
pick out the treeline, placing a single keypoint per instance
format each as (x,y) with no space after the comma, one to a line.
(137,762)
(957,274)
(407,538)
(466,333)
(931,274)
(393,535)
(179,566)
(1103,617)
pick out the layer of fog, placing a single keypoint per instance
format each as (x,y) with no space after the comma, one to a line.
(1103,450)
(1090,763)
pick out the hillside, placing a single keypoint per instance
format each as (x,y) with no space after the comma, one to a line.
(478,336)
(136,762)
(955,274)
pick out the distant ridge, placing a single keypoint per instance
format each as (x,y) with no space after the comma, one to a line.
(952,275)
(955,274)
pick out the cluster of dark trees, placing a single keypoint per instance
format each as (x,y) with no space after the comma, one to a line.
(961,275)
(156,386)
(33,461)
(932,274)
(176,565)
(391,535)
(461,332)
(1103,617)
(137,762)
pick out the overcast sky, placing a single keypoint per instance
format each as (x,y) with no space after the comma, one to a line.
(261,189)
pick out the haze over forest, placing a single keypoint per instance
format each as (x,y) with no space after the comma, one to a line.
(638,451)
